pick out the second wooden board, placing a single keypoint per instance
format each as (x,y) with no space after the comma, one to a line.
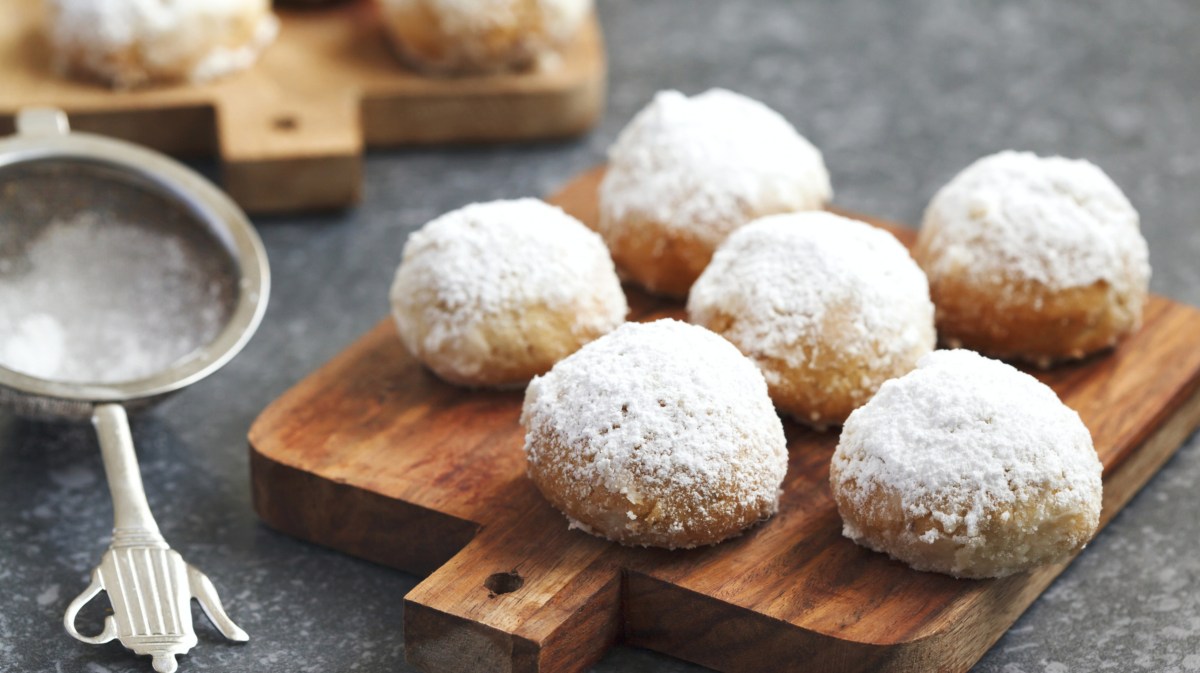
(374,456)
(291,131)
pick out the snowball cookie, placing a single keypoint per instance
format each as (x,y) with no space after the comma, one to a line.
(481,36)
(967,467)
(688,171)
(828,307)
(660,434)
(127,43)
(495,293)
(1034,258)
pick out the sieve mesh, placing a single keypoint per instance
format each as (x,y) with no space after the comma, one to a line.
(103,279)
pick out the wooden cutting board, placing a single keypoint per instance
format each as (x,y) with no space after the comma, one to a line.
(290,131)
(374,456)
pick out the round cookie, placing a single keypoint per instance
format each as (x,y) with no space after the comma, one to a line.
(827,307)
(481,36)
(686,172)
(658,434)
(1039,259)
(967,467)
(128,43)
(495,293)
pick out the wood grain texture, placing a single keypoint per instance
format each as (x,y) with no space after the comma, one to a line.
(373,455)
(290,131)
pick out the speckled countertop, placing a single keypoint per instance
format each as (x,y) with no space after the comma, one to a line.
(900,95)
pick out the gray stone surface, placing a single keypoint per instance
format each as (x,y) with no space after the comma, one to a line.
(899,94)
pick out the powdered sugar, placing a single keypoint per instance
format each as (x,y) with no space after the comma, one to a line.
(126,41)
(93,299)
(661,408)
(490,258)
(35,346)
(963,439)
(1014,217)
(708,164)
(780,276)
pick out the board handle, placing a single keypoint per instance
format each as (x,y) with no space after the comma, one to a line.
(547,602)
(284,152)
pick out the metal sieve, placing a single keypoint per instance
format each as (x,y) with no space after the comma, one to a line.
(47,177)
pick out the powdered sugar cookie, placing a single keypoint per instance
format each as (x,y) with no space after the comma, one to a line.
(828,307)
(481,36)
(1034,258)
(967,467)
(658,434)
(127,43)
(494,293)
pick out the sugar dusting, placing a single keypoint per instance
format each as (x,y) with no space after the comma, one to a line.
(90,297)
(1014,216)
(708,163)
(35,346)
(781,275)
(662,411)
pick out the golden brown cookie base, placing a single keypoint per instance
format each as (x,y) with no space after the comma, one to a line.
(1030,322)
(679,519)
(1033,534)
(662,260)
(513,347)
(840,381)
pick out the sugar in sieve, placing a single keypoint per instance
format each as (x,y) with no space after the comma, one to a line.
(124,277)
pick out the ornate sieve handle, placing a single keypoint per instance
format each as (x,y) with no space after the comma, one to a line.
(148,584)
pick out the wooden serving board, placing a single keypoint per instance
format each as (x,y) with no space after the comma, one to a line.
(374,456)
(290,131)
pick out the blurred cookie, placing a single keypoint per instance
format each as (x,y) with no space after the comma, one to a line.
(129,43)
(481,36)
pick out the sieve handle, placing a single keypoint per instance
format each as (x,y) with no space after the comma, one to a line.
(149,585)
(42,121)
(132,520)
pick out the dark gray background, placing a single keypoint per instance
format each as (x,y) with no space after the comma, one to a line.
(900,95)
